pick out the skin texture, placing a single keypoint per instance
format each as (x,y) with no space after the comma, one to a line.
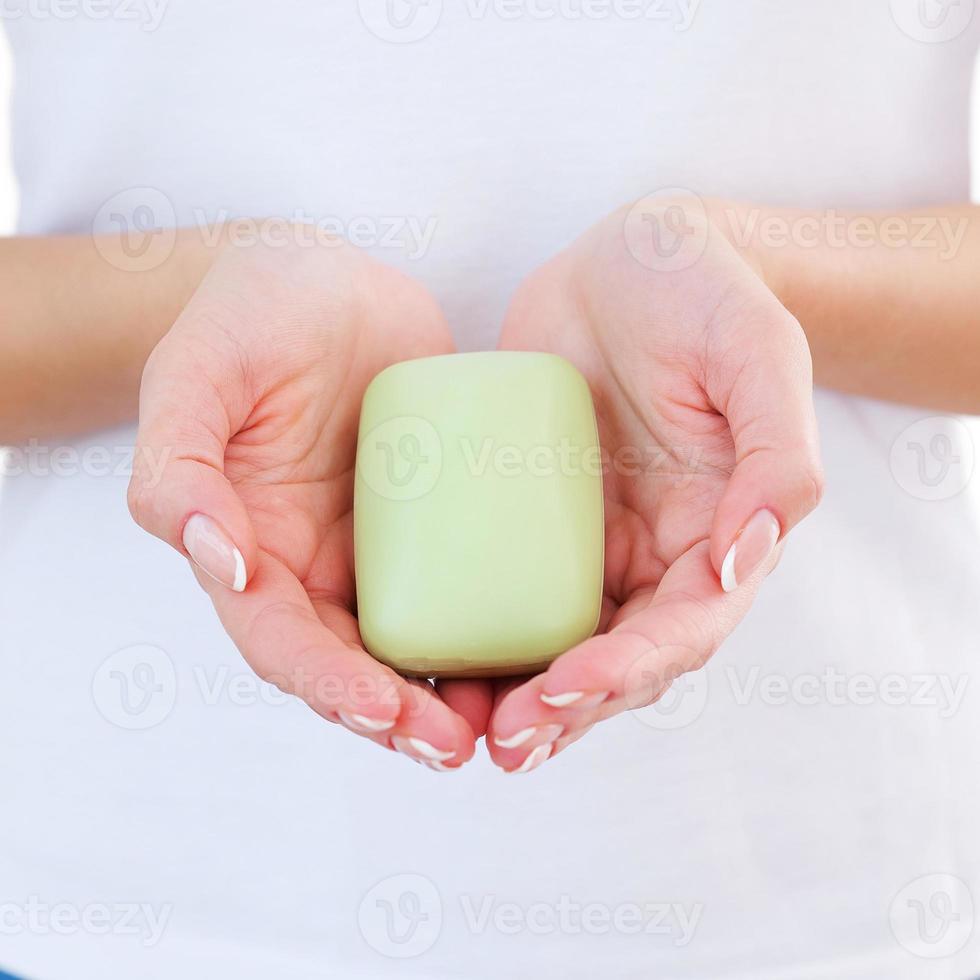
(77,325)
(252,399)
(255,392)
(702,385)
(890,301)
(252,396)
(899,322)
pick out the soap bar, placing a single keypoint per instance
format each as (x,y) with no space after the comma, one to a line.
(478,514)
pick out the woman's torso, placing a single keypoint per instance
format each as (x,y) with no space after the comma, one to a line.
(773,819)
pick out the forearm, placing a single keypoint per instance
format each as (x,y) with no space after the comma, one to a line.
(76,326)
(890,301)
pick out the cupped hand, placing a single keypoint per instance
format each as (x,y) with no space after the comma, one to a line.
(703,391)
(250,404)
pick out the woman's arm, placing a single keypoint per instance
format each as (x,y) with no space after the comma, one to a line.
(890,302)
(77,325)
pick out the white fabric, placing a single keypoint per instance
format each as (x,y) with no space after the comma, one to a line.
(785,829)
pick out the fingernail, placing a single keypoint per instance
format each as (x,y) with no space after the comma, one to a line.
(536,757)
(214,552)
(418,747)
(579,698)
(438,766)
(362,723)
(752,546)
(549,733)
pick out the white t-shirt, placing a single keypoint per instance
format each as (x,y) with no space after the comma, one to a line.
(805,807)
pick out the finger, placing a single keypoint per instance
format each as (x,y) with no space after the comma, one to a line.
(471,699)
(429,731)
(287,643)
(178,491)
(524,732)
(655,638)
(778,478)
(570,739)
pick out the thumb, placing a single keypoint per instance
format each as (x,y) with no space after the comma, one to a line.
(778,478)
(179,491)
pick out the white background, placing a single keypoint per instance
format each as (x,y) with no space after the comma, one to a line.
(8,205)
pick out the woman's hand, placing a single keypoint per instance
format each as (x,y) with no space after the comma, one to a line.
(252,402)
(703,392)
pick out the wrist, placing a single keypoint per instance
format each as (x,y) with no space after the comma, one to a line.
(138,306)
(196,251)
(743,225)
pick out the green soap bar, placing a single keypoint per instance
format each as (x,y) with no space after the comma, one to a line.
(478,515)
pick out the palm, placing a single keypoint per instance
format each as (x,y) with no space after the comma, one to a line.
(266,371)
(668,453)
(293,463)
(669,467)
(697,373)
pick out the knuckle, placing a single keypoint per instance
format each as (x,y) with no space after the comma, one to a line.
(697,627)
(819,481)
(274,618)
(294,669)
(812,485)
(138,498)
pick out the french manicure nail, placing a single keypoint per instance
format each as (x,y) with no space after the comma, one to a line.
(400,745)
(751,547)
(214,552)
(361,723)
(535,758)
(550,733)
(419,747)
(438,766)
(562,700)
(579,698)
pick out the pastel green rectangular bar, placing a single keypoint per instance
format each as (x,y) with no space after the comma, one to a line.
(478,514)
